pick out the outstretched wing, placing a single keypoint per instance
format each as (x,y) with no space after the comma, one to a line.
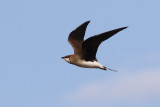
(90,46)
(76,37)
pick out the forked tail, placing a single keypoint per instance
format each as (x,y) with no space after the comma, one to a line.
(105,68)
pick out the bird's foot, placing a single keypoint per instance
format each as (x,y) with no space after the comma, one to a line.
(105,68)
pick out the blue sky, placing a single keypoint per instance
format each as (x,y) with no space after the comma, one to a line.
(33,38)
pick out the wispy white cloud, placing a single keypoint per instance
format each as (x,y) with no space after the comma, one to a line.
(139,86)
(142,84)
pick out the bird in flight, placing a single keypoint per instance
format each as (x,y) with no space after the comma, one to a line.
(85,51)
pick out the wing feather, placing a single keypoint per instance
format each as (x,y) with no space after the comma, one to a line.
(90,46)
(76,37)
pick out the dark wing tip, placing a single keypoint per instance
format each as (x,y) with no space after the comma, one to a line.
(119,29)
(86,23)
(124,27)
(80,29)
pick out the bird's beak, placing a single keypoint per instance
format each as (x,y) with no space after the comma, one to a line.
(62,57)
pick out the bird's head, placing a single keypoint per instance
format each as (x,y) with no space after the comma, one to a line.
(67,58)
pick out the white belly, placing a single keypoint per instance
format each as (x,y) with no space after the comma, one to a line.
(89,64)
